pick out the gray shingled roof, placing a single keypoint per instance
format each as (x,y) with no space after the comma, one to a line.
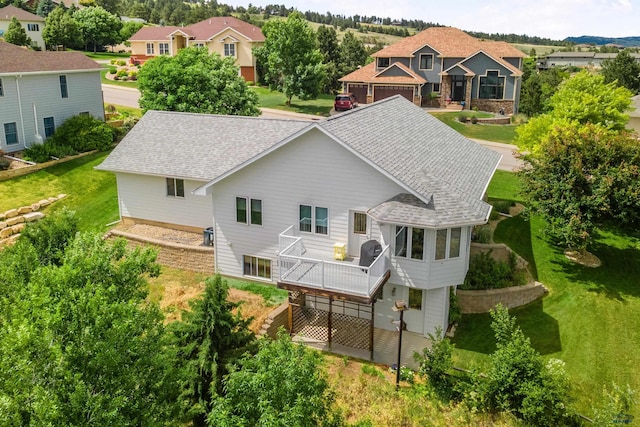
(195,146)
(445,172)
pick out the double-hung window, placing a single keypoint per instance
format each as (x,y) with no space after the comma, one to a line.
(257,267)
(383,62)
(150,49)
(49,126)
(248,211)
(33,27)
(491,86)
(229,49)
(409,241)
(426,61)
(1,88)
(313,219)
(175,187)
(448,243)
(163,48)
(64,91)
(415,299)
(11,133)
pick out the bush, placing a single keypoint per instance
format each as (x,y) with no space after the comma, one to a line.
(38,153)
(455,313)
(518,119)
(435,362)
(112,70)
(487,273)
(121,62)
(4,163)
(474,120)
(502,206)
(482,233)
(112,62)
(121,73)
(51,235)
(462,118)
(83,133)
(133,75)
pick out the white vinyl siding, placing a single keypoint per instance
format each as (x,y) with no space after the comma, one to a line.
(301,162)
(145,197)
(436,311)
(43,91)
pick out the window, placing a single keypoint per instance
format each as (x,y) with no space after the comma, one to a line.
(426,61)
(33,27)
(491,86)
(257,267)
(175,187)
(415,299)
(448,243)
(383,62)
(1,89)
(435,87)
(11,133)
(312,219)
(63,87)
(150,50)
(416,248)
(49,127)
(246,206)
(229,49)
(83,113)
(359,223)
(163,48)
(199,45)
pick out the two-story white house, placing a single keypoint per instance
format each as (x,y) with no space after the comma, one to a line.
(32,24)
(349,213)
(40,90)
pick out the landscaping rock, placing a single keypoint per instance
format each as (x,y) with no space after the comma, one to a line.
(35,207)
(15,220)
(24,210)
(52,199)
(61,196)
(33,216)
(6,232)
(11,213)
(44,202)
(9,240)
(3,225)
(18,228)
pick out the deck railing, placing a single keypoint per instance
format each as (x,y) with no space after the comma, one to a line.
(341,277)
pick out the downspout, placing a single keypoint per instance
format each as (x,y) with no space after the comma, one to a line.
(24,139)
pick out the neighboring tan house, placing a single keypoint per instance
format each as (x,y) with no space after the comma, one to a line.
(40,90)
(297,202)
(578,59)
(443,65)
(225,35)
(33,24)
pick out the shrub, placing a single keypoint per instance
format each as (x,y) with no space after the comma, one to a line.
(455,313)
(518,119)
(112,62)
(121,62)
(38,153)
(474,120)
(133,75)
(487,273)
(482,234)
(502,206)
(112,70)
(51,235)
(83,133)
(435,362)
(121,73)
(4,162)
(462,118)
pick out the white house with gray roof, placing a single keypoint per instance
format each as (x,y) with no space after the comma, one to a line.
(294,202)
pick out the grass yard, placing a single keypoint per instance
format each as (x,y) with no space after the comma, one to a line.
(91,193)
(498,133)
(107,56)
(273,99)
(105,81)
(591,317)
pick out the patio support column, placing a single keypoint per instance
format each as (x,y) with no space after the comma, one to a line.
(373,309)
(329,326)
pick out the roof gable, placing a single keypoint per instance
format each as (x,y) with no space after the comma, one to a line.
(8,12)
(458,69)
(210,28)
(514,71)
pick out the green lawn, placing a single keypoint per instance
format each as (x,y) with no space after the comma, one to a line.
(107,55)
(105,81)
(497,133)
(274,99)
(91,193)
(591,317)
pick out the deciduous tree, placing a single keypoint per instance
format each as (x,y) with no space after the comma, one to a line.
(61,29)
(195,81)
(293,62)
(98,26)
(45,7)
(623,69)
(16,34)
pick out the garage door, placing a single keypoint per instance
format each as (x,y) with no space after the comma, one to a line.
(360,92)
(382,92)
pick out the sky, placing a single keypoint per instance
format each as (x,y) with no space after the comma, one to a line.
(554,19)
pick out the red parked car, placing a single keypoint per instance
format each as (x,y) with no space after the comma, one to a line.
(345,101)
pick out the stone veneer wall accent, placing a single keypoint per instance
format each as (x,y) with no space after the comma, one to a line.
(276,319)
(484,300)
(175,255)
(493,105)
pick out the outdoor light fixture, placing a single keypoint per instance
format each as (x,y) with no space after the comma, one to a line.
(401,306)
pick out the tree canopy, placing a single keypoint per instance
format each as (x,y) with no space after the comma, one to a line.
(61,28)
(195,81)
(98,26)
(16,34)
(292,62)
(623,69)
(584,98)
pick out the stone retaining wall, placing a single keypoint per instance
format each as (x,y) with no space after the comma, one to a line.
(484,300)
(276,319)
(12,173)
(494,120)
(175,255)
(13,221)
